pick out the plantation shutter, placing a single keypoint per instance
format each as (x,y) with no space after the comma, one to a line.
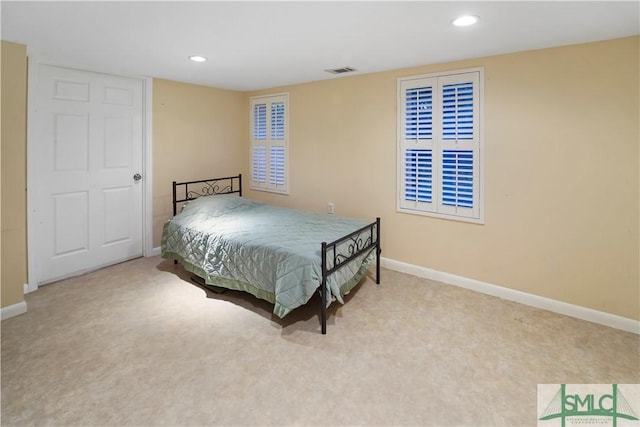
(260,122)
(439,145)
(259,164)
(269,144)
(277,149)
(259,148)
(457,178)
(459,147)
(417,100)
(276,166)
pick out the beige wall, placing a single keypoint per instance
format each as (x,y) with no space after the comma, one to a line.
(561,172)
(14,176)
(570,234)
(198,132)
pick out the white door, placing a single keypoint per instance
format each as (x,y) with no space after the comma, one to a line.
(86,150)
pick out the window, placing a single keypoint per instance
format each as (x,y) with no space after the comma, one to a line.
(269,143)
(440,145)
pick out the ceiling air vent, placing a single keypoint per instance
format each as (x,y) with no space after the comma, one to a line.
(341,70)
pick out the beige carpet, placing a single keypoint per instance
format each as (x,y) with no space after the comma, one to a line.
(137,344)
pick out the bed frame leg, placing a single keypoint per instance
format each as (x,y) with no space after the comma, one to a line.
(378,250)
(323,290)
(324,311)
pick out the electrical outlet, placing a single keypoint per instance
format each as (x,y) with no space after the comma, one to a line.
(330,208)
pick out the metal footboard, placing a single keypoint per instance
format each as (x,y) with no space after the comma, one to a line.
(344,250)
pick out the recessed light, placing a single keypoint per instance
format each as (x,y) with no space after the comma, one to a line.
(197,58)
(465,20)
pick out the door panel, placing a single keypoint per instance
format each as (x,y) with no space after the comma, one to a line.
(89,137)
(70,142)
(65,90)
(118,226)
(70,223)
(118,144)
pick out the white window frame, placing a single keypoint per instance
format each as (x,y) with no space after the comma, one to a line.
(432,145)
(264,176)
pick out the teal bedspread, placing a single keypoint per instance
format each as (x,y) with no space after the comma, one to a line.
(271,252)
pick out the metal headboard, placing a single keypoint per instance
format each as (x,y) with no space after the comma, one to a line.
(190,190)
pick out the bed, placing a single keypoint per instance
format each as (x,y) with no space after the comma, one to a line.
(277,254)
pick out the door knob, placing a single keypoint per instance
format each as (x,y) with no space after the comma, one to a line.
(137,177)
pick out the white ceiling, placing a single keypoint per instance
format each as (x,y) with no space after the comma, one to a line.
(257,45)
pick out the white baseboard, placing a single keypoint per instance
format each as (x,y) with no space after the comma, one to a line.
(29,287)
(13,310)
(555,306)
(155,251)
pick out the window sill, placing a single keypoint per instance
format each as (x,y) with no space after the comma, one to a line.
(472,220)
